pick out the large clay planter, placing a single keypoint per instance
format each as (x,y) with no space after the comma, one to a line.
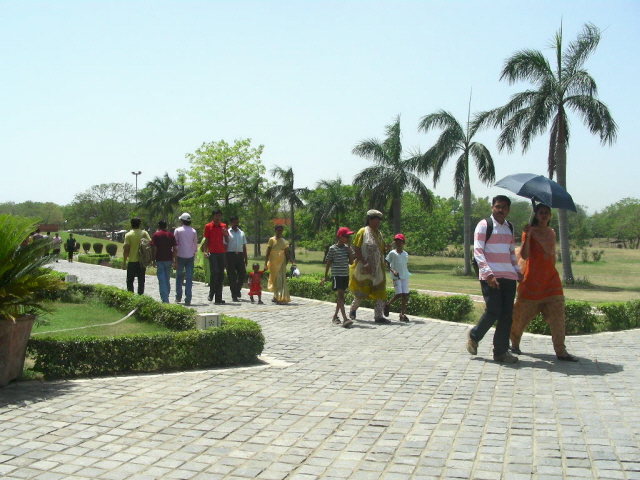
(13,347)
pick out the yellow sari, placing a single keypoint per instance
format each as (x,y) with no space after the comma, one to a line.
(277,266)
(372,285)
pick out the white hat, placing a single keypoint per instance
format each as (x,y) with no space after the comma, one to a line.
(185,216)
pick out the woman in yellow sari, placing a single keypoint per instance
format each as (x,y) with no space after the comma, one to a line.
(276,262)
(367,273)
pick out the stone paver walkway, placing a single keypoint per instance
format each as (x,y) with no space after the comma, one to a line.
(395,401)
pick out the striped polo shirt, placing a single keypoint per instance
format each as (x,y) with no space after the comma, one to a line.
(497,256)
(338,255)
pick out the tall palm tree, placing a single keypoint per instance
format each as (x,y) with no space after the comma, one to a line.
(254,193)
(567,85)
(331,205)
(454,140)
(391,175)
(162,196)
(286,193)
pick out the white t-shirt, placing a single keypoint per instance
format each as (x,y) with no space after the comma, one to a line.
(398,262)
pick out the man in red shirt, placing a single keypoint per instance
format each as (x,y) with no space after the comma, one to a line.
(216,233)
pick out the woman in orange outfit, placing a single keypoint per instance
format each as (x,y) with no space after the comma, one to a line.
(541,290)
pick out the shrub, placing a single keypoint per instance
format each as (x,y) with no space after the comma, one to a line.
(235,342)
(94,259)
(97,247)
(86,246)
(597,255)
(112,249)
(621,316)
(454,308)
(579,318)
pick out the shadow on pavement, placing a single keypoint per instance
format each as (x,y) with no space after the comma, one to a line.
(21,394)
(550,363)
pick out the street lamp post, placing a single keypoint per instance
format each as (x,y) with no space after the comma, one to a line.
(136,174)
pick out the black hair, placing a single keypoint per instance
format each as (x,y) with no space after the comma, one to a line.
(162,224)
(135,222)
(234,217)
(501,198)
(216,211)
(534,222)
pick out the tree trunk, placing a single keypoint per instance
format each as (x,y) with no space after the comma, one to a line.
(293,245)
(561,172)
(396,208)
(466,213)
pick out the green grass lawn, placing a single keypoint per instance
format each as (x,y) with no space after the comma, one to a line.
(615,278)
(67,318)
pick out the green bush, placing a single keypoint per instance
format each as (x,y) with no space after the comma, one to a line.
(86,246)
(454,308)
(112,249)
(97,247)
(94,258)
(235,342)
(621,316)
(579,318)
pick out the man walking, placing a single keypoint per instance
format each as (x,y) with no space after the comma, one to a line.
(216,234)
(130,252)
(236,258)
(56,241)
(164,253)
(187,239)
(494,251)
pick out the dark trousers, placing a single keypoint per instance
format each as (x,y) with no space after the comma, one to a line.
(236,272)
(499,307)
(216,267)
(135,270)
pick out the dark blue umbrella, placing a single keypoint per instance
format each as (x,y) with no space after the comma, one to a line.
(538,188)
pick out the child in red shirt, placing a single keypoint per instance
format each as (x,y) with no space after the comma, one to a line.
(255,288)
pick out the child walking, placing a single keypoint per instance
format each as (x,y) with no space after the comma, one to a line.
(339,257)
(397,260)
(255,288)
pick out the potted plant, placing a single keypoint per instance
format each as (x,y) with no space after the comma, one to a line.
(23,287)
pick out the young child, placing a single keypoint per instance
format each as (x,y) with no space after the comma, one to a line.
(339,257)
(397,260)
(255,288)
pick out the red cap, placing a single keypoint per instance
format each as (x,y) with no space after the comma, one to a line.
(343,231)
(399,236)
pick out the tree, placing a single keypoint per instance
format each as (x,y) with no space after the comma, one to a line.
(219,173)
(391,175)
(622,222)
(527,114)
(162,196)
(330,203)
(105,206)
(286,193)
(254,198)
(426,233)
(456,141)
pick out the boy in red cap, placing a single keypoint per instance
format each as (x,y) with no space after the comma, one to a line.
(397,261)
(339,257)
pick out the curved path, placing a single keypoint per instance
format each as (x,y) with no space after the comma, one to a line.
(392,401)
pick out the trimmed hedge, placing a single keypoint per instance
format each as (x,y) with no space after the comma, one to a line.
(94,258)
(454,308)
(236,342)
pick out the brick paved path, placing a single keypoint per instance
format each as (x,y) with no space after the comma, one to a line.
(392,401)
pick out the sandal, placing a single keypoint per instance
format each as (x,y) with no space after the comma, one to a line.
(336,320)
(352,314)
(404,318)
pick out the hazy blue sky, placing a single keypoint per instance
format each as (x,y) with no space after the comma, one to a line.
(93,90)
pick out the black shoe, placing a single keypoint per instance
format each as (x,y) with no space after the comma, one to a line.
(568,358)
(210,298)
(516,350)
(235,299)
(221,302)
(352,314)
(386,310)
(382,320)
(187,304)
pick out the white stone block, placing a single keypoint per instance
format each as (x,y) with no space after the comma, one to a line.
(207,320)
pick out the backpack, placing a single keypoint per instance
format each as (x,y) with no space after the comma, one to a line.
(145,253)
(489,220)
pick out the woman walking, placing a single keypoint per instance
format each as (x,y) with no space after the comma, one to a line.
(367,274)
(541,290)
(276,262)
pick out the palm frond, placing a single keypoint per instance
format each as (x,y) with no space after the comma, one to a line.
(596,116)
(484,162)
(580,49)
(530,65)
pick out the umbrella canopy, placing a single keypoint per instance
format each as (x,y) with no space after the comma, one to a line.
(539,188)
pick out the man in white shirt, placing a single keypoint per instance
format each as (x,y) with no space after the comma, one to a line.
(236,258)
(187,240)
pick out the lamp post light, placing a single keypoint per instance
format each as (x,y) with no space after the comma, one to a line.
(136,174)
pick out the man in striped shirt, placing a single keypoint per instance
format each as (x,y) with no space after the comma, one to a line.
(498,272)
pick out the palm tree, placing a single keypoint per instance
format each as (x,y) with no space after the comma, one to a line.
(391,175)
(530,113)
(331,204)
(454,140)
(254,193)
(162,195)
(286,193)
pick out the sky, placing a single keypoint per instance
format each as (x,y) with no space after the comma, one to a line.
(91,91)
